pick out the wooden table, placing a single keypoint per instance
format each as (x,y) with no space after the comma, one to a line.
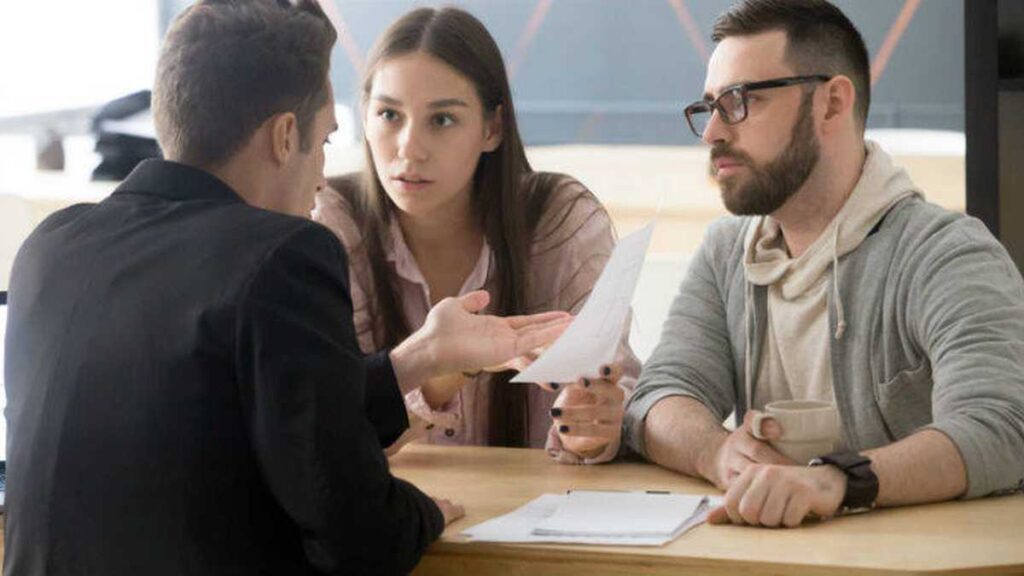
(977,537)
(963,538)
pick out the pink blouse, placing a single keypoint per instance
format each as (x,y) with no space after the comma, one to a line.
(572,243)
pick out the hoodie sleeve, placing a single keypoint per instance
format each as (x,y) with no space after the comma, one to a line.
(967,309)
(304,382)
(694,356)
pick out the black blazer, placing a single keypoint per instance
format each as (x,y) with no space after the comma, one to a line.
(186,396)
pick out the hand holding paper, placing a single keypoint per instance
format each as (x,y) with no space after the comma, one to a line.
(588,414)
(593,337)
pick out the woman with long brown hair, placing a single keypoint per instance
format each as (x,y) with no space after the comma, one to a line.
(449,204)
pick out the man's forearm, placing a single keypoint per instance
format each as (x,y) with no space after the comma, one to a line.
(413,362)
(680,433)
(414,366)
(923,467)
(382,399)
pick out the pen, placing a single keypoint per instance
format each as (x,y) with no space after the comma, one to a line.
(662,492)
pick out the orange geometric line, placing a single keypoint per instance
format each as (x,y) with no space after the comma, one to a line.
(529,33)
(892,39)
(685,18)
(355,55)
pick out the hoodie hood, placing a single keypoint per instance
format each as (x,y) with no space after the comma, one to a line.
(766,260)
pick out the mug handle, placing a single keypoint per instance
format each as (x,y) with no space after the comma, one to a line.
(755,425)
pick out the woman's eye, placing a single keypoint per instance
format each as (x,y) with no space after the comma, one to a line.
(443,120)
(388,115)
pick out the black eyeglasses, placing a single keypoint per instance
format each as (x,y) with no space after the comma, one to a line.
(732,102)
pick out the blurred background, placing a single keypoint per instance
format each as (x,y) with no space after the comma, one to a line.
(619,71)
(599,88)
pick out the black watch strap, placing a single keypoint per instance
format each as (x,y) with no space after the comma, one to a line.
(861,482)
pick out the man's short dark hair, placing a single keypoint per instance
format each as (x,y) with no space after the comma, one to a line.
(820,39)
(228,65)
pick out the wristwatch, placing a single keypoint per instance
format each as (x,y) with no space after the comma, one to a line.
(861,482)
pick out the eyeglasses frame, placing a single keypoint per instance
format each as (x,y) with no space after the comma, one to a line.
(710,106)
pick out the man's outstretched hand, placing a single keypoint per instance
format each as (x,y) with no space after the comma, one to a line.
(455,338)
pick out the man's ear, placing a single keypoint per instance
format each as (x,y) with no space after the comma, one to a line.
(284,136)
(840,100)
(494,130)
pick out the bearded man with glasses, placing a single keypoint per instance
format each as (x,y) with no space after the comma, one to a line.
(837,283)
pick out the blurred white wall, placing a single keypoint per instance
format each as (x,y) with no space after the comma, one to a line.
(71,53)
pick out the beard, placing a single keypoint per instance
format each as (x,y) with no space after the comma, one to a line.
(771,185)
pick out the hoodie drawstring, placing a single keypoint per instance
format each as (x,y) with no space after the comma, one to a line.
(840,313)
(748,311)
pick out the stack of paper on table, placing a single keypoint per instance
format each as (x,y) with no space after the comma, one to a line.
(608,518)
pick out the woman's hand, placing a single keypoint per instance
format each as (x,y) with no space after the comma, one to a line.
(588,413)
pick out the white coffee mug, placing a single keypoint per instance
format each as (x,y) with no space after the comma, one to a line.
(810,428)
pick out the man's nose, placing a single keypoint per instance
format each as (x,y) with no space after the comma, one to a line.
(716,130)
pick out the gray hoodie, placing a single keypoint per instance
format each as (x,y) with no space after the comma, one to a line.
(794,361)
(932,316)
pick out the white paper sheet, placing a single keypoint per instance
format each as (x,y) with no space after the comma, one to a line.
(617,514)
(519,525)
(593,337)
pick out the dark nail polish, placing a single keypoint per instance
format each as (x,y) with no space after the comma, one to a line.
(554,385)
(606,371)
(586,383)
(563,428)
(556,412)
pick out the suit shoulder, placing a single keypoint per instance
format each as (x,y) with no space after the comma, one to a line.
(65,216)
(294,234)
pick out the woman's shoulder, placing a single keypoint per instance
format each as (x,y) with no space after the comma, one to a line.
(572,239)
(565,211)
(337,208)
(554,187)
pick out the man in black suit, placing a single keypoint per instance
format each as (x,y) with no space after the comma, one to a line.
(186,394)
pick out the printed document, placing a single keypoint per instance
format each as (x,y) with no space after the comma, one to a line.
(602,518)
(593,337)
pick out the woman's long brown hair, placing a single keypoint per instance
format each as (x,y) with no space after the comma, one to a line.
(508,210)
